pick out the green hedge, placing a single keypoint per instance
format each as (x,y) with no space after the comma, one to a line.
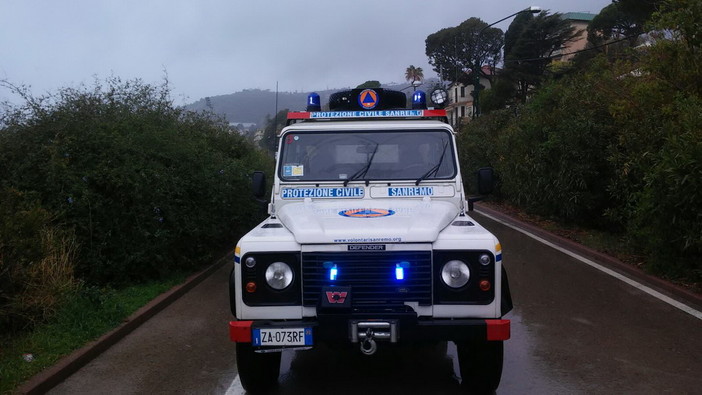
(144,187)
(615,146)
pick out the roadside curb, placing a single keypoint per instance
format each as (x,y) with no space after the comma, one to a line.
(66,366)
(663,286)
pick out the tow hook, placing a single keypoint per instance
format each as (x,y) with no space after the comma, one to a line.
(367,332)
(368,345)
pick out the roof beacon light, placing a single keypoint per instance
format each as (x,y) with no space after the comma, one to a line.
(314,103)
(419,100)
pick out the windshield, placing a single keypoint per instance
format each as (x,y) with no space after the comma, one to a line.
(367,156)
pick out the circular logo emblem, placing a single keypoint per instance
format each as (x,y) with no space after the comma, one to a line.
(366,213)
(368,99)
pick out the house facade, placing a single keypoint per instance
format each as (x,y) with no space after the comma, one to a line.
(580,21)
(461,99)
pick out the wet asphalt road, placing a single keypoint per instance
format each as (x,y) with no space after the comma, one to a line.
(575,330)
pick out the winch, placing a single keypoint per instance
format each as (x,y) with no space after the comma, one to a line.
(367,332)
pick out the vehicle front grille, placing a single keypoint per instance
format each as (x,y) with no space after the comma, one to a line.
(371,276)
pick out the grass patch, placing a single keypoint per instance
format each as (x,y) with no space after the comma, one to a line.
(88,313)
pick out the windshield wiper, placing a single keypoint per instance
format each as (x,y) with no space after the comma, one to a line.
(434,169)
(362,171)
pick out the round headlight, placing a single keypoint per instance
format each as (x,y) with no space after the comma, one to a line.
(485,259)
(279,275)
(455,274)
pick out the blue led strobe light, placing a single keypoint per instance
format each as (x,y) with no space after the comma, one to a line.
(399,272)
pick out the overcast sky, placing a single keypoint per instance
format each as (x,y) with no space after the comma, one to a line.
(216,47)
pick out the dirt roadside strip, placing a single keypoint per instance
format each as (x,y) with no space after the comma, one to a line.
(66,366)
(672,290)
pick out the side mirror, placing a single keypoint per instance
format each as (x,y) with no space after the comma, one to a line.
(258,184)
(486,180)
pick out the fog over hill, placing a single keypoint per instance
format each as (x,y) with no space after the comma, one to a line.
(251,106)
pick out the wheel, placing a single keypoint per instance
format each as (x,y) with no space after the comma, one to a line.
(480,363)
(258,371)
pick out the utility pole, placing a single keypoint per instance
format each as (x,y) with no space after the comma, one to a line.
(275,125)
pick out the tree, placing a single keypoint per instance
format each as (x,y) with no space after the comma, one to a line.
(515,30)
(453,52)
(369,84)
(413,74)
(534,42)
(640,10)
(503,91)
(269,142)
(621,19)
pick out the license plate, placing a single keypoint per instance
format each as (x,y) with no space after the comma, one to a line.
(282,337)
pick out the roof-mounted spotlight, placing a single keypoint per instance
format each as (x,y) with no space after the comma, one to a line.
(439,97)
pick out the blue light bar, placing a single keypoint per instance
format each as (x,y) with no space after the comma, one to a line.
(314,103)
(333,272)
(419,100)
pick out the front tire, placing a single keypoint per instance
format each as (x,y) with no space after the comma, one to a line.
(480,363)
(258,371)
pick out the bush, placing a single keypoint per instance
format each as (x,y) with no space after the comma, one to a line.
(146,187)
(480,144)
(558,162)
(665,214)
(551,155)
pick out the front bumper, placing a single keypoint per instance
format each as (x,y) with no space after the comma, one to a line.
(344,328)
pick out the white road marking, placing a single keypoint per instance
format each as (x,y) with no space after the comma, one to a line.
(235,388)
(695,313)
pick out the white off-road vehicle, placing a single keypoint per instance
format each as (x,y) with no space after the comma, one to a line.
(369,241)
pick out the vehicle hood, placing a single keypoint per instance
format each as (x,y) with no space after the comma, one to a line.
(367,221)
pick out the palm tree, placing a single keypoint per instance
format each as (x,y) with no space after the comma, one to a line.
(414,74)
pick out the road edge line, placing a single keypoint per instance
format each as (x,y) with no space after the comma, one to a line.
(624,278)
